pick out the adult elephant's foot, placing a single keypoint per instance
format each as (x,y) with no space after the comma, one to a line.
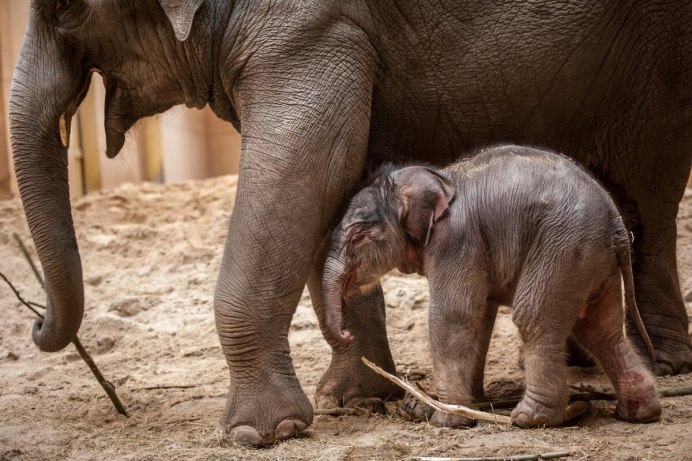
(276,408)
(672,357)
(659,298)
(350,383)
(672,348)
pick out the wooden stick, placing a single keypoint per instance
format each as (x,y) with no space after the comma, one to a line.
(105,384)
(338,411)
(531,457)
(165,386)
(675,391)
(445,408)
(27,256)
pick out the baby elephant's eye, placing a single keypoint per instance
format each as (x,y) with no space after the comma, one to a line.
(359,236)
(61,5)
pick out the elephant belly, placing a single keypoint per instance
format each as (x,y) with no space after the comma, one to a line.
(467,76)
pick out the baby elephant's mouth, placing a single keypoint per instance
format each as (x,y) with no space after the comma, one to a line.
(356,285)
(349,284)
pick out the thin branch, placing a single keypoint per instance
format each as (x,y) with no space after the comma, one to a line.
(445,408)
(530,457)
(338,411)
(105,384)
(28,304)
(40,306)
(165,386)
(26,254)
(675,391)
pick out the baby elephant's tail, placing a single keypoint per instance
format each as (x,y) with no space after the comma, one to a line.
(622,245)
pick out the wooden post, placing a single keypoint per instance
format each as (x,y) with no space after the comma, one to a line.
(223,142)
(14,16)
(184,143)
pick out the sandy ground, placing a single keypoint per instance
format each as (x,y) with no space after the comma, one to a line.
(151,255)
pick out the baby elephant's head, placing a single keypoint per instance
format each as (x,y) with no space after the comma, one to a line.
(385,226)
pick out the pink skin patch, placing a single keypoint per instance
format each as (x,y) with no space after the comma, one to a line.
(582,311)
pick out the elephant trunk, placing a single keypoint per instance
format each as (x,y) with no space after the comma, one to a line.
(45,93)
(334,284)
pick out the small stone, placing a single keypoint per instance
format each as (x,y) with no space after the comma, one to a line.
(12,356)
(126,307)
(688,296)
(104,345)
(94,280)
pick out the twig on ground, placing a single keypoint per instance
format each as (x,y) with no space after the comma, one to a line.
(445,408)
(530,457)
(27,256)
(338,411)
(105,384)
(585,394)
(675,391)
(590,393)
(28,304)
(165,386)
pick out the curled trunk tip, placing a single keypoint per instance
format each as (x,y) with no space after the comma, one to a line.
(335,274)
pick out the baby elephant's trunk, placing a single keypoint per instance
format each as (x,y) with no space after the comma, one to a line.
(334,282)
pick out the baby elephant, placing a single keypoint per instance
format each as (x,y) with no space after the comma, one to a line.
(514,226)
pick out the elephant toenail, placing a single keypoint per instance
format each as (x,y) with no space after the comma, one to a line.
(576,409)
(663,369)
(247,435)
(289,428)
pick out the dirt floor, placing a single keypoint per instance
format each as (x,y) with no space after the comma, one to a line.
(151,255)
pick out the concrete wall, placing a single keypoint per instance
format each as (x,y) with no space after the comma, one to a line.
(181,144)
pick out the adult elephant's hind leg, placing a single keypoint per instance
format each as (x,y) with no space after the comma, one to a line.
(348,382)
(659,299)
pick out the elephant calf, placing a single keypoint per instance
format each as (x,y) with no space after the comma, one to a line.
(514,226)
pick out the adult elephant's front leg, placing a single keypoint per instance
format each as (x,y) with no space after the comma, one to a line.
(305,115)
(348,382)
(275,230)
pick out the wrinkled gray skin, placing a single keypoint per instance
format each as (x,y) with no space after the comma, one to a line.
(513,226)
(323,89)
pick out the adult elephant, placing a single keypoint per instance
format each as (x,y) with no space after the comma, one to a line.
(320,89)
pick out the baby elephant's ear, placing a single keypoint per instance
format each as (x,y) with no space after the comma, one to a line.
(181,14)
(425,194)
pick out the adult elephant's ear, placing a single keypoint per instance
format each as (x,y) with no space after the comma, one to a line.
(181,14)
(424,194)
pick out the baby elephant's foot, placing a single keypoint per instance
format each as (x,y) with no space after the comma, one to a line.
(637,398)
(448,420)
(415,410)
(531,414)
(635,411)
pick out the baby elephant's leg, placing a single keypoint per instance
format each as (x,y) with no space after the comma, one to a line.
(459,337)
(601,332)
(544,320)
